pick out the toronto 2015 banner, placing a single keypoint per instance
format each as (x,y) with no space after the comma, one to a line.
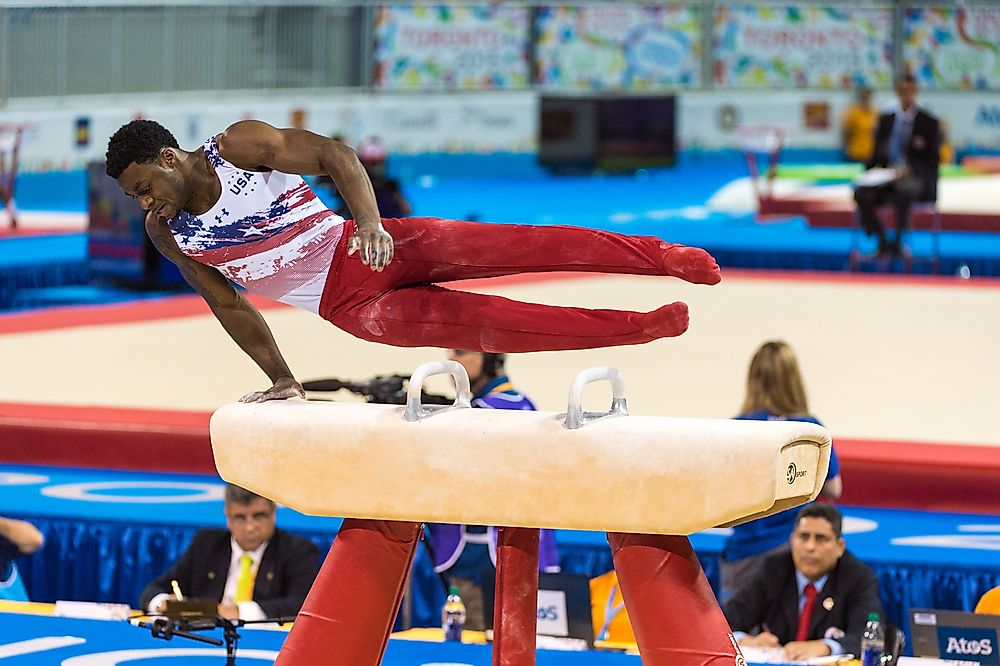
(464,47)
(802,46)
(953,47)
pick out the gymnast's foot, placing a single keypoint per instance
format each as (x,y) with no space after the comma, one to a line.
(666,322)
(691,264)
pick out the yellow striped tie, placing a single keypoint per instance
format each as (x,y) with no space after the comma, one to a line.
(244,582)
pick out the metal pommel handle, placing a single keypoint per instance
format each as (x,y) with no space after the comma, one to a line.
(415,410)
(575,416)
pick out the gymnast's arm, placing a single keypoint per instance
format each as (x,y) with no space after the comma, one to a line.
(241,320)
(252,144)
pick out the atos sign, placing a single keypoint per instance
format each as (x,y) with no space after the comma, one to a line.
(968,644)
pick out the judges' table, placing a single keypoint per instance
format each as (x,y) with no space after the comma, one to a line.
(109,533)
(29,640)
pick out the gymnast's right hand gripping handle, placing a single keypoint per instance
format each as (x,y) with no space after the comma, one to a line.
(415,410)
(575,416)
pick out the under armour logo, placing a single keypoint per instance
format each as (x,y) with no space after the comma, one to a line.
(218,218)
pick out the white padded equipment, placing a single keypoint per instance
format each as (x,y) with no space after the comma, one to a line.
(619,473)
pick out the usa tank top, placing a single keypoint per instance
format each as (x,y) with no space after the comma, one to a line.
(268,232)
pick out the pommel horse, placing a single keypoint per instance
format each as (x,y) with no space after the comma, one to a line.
(646,481)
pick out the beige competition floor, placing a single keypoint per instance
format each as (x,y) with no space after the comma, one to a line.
(883,359)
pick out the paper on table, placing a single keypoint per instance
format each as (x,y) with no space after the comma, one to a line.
(89,610)
(875,177)
(776,655)
(762,655)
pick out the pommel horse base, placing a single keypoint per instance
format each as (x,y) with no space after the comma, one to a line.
(646,481)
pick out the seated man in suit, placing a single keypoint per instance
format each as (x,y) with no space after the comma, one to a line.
(813,601)
(907,141)
(253,569)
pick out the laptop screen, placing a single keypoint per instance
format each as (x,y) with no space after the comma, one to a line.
(955,635)
(563,606)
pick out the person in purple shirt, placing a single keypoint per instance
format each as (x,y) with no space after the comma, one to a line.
(467,553)
(775,392)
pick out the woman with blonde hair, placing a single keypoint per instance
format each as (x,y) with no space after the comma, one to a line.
(775,392)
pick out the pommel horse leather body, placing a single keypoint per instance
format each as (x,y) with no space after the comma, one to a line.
(647,481)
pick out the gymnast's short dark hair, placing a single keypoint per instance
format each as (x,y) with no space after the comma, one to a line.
(139,141)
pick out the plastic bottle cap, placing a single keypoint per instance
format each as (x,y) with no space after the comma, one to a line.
(453,590)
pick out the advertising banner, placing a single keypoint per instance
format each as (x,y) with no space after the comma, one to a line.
(468,47)
(952,47)
(618,47)
(804,46)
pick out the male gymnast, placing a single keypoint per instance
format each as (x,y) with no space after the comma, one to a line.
(236,210)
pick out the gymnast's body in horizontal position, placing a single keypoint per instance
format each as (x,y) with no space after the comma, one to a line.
(236,210)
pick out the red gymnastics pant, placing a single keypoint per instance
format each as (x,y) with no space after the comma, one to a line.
(403,306)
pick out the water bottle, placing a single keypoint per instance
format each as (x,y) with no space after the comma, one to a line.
(453,616)
(872,642)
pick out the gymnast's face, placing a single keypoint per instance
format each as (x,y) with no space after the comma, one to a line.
(250,524)
(158,186)
(815,548)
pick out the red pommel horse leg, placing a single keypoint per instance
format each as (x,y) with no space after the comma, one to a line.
(348,616)
(516,607)
(675,616)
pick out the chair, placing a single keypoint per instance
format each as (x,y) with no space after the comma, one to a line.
(856,257)
(989,603)
(895,641)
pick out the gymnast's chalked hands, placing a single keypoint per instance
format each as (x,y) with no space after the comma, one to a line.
(374,243)
(284,388)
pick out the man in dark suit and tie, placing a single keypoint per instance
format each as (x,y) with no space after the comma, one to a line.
(253,569)
(812,601)
(907,141)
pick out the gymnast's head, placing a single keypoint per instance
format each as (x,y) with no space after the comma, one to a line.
(774,384)
(146,160)
(249,517)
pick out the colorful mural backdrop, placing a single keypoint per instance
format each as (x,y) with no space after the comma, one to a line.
(952,47)
(611,46)
(472,47)
(802,46)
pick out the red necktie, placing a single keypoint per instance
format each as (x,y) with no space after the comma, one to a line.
(806,616)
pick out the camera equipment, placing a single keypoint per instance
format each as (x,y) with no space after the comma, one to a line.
(382,389)
(166,627)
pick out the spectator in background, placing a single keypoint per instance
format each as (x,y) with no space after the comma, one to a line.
(253,569)
(813,601)
(17,538)
(389,195)
(908,142)
(467,553)
(857,129)
(947,151)
(775,392)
